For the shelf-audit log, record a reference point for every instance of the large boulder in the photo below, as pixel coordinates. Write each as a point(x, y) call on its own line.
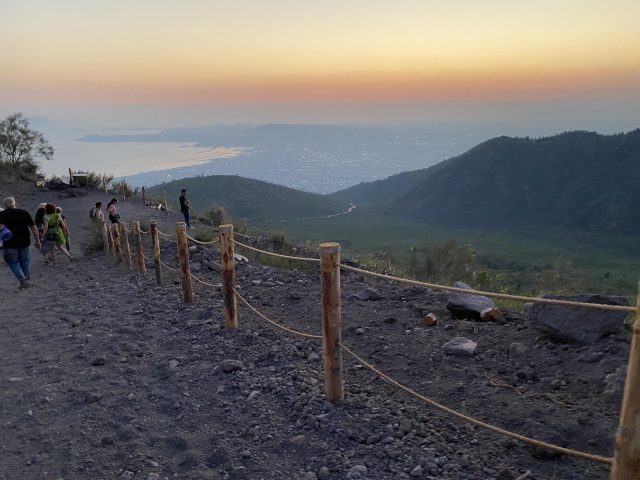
point(476, 307)
point(577, 325)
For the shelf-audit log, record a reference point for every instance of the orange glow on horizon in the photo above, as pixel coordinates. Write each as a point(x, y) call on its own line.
point(72, 52)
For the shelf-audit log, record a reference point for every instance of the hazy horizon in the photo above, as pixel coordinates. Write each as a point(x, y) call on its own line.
point(469, 69)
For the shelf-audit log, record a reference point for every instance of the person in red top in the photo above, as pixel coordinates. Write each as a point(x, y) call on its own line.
point(17, 249)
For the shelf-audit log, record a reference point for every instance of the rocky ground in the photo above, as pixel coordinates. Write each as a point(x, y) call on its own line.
point(106, 375)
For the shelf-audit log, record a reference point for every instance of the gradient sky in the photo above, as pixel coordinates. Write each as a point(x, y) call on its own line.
point(77, 54)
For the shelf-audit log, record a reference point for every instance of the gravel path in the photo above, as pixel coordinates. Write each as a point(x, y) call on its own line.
point(106, 375)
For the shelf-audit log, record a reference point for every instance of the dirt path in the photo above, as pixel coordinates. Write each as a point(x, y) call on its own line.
point(106, 375)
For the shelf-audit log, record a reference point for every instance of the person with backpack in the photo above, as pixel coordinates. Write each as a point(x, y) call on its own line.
point(112, 211)
point(54, 237)
point(96, 214)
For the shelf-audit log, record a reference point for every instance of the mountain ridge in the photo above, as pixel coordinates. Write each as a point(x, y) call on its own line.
point(250, 198)
point(577, 179)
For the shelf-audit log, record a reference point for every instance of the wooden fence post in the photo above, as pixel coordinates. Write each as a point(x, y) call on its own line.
point(185, 270)
point(331, 320)
point(228, 271)
point(155, 238)
point(626, 462)
point(112, 242)
point(142, 266)
point(117, 246)
point(105, 238)
point(126, 247)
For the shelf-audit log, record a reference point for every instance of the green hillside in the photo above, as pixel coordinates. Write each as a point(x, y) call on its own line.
point(575, 180)
point(244, 197)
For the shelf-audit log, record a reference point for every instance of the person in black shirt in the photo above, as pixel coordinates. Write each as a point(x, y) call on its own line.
point(185, 206)
point(17, 250)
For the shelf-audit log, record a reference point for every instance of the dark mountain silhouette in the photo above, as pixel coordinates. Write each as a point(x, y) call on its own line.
point(244, 197)
point(577, 180)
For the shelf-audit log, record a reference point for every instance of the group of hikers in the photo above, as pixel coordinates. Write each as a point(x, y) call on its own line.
point(50, 235)
point(50, 232)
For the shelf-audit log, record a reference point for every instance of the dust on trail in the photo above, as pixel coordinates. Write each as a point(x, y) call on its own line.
point(106, 375)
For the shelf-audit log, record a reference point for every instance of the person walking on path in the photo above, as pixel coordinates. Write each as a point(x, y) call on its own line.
point(54, 235)
point(17, 249)
point(113, 211)
point(40, 219)
point(65, 229)
point(185, 206)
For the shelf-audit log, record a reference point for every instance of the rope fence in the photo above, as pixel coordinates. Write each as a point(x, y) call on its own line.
point(433, 403)
point(219, 285)
point(624, 464)
point(275, 324)
point(167, 266)
point(213, 242)
point(475, 421)
point(288, 257)
point(166, 234)
point(504, 296)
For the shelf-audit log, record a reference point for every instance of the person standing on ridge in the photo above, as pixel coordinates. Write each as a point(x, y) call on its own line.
point(185, 206)
point(17, 249)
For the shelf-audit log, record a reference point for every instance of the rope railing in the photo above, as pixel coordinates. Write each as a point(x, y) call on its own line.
point(219, 285)
point(143, 231)
point(288, 257)
point(433, 403)
point(627, 454)
point(275, 324)
point(475, 421)
point(504, 296)
point(199, 242)
point(167, 266)
point(166, 234)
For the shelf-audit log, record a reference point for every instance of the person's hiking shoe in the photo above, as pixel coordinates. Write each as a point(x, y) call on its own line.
point(24, 284)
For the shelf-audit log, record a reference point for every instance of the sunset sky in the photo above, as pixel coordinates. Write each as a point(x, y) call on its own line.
point(76, 55)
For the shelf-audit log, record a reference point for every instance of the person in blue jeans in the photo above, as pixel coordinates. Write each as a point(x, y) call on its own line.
point(185, 206)
point(17, 250)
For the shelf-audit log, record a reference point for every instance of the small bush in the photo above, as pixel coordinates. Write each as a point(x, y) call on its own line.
point(278, 240)
point(121, 187)
point(215, 215)
point(379, 262)
point(93, 179)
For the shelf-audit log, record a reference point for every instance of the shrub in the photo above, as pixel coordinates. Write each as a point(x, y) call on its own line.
point(121, 187)
point(93, 179)
point(215, 215)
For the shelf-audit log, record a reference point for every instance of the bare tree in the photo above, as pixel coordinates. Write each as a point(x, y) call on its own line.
point(20, 145)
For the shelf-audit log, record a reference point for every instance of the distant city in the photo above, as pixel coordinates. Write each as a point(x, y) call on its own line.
point(319, 159)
